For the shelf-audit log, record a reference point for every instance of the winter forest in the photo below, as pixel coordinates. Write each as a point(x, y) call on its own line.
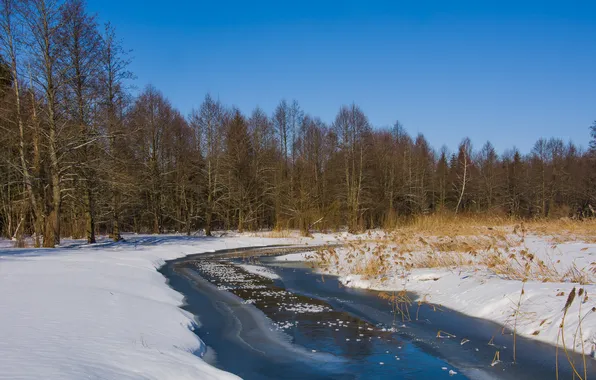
point(81, 155)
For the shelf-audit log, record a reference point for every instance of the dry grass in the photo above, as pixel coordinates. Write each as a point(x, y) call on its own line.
point(372, 268)
point(400, 304)
point(440, 259)
point(280, 234)
point(455, 225)
point(276, 234)
point(497, 226)
point(565, 229)
point(443, 241)
point(582, 297)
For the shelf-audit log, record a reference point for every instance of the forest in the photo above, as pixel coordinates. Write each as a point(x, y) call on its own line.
point(82, 154)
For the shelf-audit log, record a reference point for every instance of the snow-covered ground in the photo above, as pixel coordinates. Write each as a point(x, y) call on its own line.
point(102, 311)
point(302, 256)
point(485, 283)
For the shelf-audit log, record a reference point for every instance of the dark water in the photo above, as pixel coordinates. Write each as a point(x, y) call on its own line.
point(305, 325)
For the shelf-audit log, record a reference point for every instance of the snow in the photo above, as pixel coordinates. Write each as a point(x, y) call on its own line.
point(478, 291)
point(301, 256)
point(5, 243)
point(102, 311)
point(259, 271)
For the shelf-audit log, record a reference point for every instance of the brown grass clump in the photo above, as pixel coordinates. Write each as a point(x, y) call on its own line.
point(400, 304)
point(326, 257)
point(520, 266)
point(280, 234)
point(371, 268)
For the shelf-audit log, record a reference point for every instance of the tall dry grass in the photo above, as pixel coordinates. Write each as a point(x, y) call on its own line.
point(495, 244)
point(445, 224)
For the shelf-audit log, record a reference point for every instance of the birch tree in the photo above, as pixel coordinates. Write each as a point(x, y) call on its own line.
point(463, 173)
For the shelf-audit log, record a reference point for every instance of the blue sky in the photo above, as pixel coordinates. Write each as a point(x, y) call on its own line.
point(505, 71)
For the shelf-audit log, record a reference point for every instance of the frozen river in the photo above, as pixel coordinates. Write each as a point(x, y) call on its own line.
point(273, 320)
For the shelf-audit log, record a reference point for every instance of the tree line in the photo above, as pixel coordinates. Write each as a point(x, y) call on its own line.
point(79, 155)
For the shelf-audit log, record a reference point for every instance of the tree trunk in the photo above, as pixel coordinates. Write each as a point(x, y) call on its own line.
point(89, 218)
point(55, 177)
point(463, 186)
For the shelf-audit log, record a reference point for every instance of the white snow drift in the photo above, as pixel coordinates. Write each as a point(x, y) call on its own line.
point(101, 311)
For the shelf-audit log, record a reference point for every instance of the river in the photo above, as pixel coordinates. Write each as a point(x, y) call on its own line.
point(292, 323)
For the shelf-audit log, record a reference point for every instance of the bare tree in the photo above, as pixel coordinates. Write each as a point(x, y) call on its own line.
point(207, 123)
point(81, 44)
point(44, 21)
point(239, 171)
point(487, 162)
point(114, 73)
point(441, 179)
point(12, 41)
point(350, 126)
point(263, 142)
point(465, 151)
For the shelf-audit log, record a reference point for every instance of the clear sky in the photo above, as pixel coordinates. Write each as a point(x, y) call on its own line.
point(505, 71)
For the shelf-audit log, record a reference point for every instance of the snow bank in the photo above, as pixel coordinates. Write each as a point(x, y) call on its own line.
point(101, 311)
point(5, 243)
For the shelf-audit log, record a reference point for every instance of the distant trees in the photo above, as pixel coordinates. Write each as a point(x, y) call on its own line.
point(489, 181)
point(591, 179)
point(79, 155)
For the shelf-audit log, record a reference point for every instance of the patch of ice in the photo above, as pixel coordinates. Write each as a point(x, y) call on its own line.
point(259, 271)
point(302, 308)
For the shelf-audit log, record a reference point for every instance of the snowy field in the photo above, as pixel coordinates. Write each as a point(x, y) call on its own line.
point(102, 311)
point(485, 282)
